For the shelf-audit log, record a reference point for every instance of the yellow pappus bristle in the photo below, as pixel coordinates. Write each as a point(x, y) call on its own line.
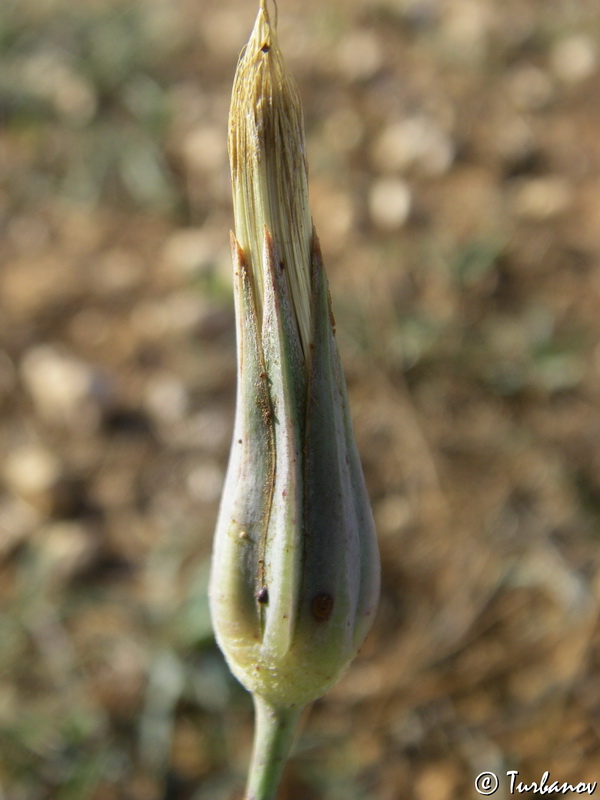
point(269, 170)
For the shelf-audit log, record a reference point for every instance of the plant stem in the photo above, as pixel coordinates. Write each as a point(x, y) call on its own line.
point(273, 735)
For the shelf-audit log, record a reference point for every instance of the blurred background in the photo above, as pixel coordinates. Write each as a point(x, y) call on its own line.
point(454, 150)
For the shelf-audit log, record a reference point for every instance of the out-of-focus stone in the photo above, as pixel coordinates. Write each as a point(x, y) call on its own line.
point(205, 482)
point(437, 780)
point(149, 320)
point(116, 679)
point(166, 398)
point(114, 489)
point(36, 476)
point(344, 128)
point(90, 327)
point(65, 390)
point(390, 203)
point(18, 520)
point(28, 285)
point(32, 473)
point(574, 58)
point(465, 26)
point(188, 105)
point(541, 199)
point(360, 55)
point(417, 142)
point(67, 549)
point(531, 88)
point(393, 515)
point(224, 29)
point(336, 213)
point(117, 271)
point(188, 250)
point(209, 430)
point(205, 148)
point(180, 312)
point(514, 141)
point(47, 75)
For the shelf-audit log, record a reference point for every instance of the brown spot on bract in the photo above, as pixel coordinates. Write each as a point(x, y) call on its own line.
point(265, 48)
point(322, 606)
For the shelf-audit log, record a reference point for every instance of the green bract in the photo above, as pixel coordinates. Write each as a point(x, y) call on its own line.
point(295, 576)
point(295, 572)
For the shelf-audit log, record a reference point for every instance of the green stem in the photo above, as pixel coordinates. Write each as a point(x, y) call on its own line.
point(273, 735)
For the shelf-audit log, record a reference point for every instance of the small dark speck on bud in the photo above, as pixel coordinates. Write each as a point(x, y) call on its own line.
point(263, 595)
point(265, 48)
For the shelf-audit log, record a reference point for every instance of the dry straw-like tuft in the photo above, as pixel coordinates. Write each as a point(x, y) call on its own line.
point(269, 170)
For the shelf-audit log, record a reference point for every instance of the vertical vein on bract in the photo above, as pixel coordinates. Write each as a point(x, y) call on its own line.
point(331, 535)
point(368, 582)
point(286, 374)
point(245, 506)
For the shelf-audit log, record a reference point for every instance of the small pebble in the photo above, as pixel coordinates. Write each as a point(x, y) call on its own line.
point(416, 142)
point(336, 212)
point(18, 521)
point(166, 398)
point(344, 129)
point(117, 271)
point(393, 514)
point(205, 148)
point(64, 389)
point(531, 88)
point(360, 55)
point(67, 548)
point(209, 429)
point(465, 26)
point(575, 58)
point(205, 482)
point(187, 250)
point(32, 472)
point(541, 199)
point(514, 141)
point(390, 203)
point(50, 76)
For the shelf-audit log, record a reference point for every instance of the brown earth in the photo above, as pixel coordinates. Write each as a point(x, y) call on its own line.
point(454, 150)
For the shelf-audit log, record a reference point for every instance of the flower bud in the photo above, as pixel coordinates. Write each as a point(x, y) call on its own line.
point(295, 573)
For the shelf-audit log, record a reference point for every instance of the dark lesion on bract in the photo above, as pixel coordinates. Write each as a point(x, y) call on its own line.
point(322, 606)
